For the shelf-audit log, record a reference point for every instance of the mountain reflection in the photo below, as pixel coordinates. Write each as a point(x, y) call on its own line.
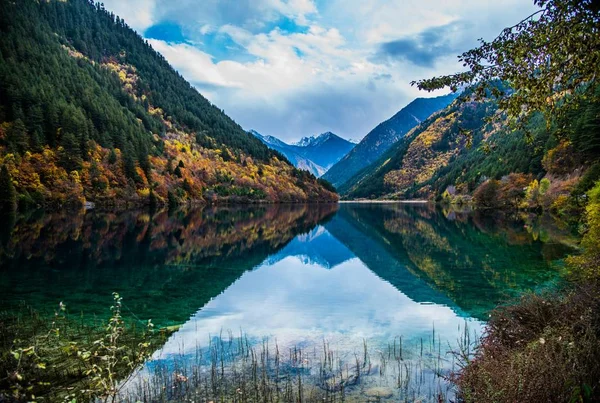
point(166, 265)
point(473, 259)
point(169, 266)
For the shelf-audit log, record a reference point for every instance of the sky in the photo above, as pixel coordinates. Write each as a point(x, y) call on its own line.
point(296, 68)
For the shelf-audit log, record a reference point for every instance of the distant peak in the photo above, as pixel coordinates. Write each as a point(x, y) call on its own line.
point(315, 140)
point(305, 141)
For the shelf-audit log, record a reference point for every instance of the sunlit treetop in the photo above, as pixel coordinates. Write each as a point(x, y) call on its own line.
point(550, 60)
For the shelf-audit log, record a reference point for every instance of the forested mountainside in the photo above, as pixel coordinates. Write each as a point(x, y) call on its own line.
point(459, 153)
point(315, 154)
point(382, 137)
point(89, 111)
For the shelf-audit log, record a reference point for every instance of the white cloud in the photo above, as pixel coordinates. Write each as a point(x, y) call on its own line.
point(193, 64)
point(351, 310)
point(329, 76)
point(139, 14)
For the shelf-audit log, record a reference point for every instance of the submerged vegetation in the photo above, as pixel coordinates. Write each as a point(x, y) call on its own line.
point(234, 369)
point(60, 358)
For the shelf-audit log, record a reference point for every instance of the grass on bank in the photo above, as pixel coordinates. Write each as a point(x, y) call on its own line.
point(545, 348)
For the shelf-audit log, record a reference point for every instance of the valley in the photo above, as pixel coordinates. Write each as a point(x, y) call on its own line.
point(185, 217)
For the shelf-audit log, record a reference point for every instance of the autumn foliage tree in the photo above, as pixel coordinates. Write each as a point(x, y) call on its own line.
point(8, 195)
point(549, 59)
point(486, 195)
point(90, 112)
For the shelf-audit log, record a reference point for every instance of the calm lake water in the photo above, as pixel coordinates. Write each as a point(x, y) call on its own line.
point(344, 280)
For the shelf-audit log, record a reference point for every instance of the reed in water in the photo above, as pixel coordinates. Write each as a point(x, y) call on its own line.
point(234, 368)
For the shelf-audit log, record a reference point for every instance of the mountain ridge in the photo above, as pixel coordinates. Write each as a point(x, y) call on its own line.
point(437, 156)
point(383, 136)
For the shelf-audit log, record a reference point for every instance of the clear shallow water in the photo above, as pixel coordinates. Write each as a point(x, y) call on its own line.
point(352, 277)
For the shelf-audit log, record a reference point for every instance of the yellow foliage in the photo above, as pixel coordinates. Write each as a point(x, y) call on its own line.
point(144, 193)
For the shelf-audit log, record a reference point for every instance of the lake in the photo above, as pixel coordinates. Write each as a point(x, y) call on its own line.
point(359, 300)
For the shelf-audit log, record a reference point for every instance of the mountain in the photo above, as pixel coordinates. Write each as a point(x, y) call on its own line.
point(382, 137)
point(315, 154)
point(90, 112)
point(437, 154)
point(292, 153)
point(469, 151)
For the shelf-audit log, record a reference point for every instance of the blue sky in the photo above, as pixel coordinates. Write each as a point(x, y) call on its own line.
point(295, 68)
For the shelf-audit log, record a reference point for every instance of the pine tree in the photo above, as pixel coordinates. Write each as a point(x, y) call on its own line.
point(129, 162)
point(70, 153)
point(17, 138)
point(112, 156)
point(8, 194)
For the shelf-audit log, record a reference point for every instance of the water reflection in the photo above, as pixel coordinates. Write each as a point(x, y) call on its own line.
point(368, 275)
point(165, 265)
point(169, 265)
point(301, 299)
point(294, 274)
point(475, 260)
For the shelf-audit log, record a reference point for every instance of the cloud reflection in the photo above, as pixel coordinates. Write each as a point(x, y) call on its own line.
point(299, 302)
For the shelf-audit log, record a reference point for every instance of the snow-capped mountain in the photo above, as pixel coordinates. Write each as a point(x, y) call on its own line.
point(315, 154)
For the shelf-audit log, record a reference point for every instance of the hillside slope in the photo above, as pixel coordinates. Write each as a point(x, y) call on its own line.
point(315, 154)
point(457, 153)
point(89, 111)
point(382, 137)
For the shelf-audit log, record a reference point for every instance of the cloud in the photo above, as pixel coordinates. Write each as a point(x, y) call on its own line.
point(139, 14)
point(292, 68)
point(167, 31)
point(425, 48)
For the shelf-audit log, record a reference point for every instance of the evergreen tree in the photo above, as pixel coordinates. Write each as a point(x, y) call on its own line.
point(69, 153)
point(129, 162)
point(112, 156)
point(62, 96)
point(17, 138)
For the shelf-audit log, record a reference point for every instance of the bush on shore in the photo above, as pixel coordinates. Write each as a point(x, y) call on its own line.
point(542, 349)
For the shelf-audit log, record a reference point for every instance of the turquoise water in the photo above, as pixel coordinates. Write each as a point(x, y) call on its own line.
point(292, 275)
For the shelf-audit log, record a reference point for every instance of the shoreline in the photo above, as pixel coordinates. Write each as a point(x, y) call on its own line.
point(385, 201)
